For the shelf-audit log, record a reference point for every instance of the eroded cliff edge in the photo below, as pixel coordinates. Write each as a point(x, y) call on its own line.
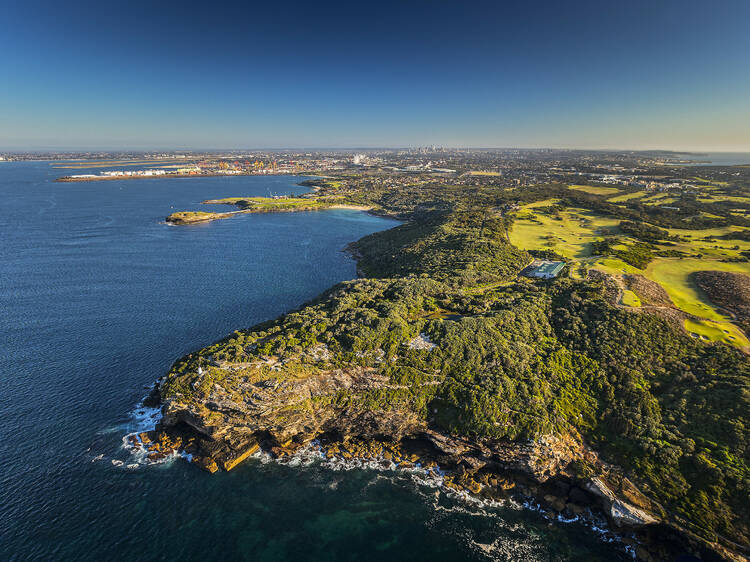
point(441, 353)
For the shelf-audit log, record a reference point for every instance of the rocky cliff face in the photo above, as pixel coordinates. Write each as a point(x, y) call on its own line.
point(232, 419)
point(221, 424)
point(482, 386)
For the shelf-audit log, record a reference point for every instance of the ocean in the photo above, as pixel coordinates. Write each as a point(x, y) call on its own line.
point(717, 158)
point(98, 296)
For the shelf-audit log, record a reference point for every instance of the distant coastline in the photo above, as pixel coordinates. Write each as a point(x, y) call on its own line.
point(95, 177)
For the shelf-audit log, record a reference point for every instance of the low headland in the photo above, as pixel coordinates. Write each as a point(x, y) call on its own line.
point(259, 205)
point(584, 392)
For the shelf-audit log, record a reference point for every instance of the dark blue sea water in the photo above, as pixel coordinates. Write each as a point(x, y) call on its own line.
point(97, 298)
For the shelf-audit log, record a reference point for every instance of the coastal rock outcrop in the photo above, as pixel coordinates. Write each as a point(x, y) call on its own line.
point(515, 395)
point(224, 425)
point(230, 423)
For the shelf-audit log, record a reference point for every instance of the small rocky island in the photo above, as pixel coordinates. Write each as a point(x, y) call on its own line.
point(442, 355)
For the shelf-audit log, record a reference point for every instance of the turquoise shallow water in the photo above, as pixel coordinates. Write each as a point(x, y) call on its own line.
point(97, 298)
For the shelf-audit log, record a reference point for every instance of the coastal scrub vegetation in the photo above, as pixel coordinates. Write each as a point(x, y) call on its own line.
point(273, 204)
point(471, 245)
point(511, 358)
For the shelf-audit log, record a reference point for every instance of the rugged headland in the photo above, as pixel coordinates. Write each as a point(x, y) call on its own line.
point(440, 354)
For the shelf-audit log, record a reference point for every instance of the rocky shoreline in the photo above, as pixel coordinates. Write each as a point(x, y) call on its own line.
point(560, 476)
point(188, 217)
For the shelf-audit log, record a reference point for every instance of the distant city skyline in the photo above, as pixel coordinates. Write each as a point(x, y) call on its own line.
point(588, 75)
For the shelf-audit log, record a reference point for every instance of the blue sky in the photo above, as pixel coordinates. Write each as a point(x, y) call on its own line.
point(636, 74)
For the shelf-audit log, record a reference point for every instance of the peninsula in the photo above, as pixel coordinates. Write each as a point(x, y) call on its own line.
point(278, 204)
point(607, 387)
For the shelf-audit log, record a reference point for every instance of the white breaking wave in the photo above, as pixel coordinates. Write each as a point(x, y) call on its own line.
point(143, 419)
point(433, 479)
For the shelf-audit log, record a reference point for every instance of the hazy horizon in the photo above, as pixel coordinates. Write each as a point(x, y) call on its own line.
point(41, 150)
point(645, 76)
